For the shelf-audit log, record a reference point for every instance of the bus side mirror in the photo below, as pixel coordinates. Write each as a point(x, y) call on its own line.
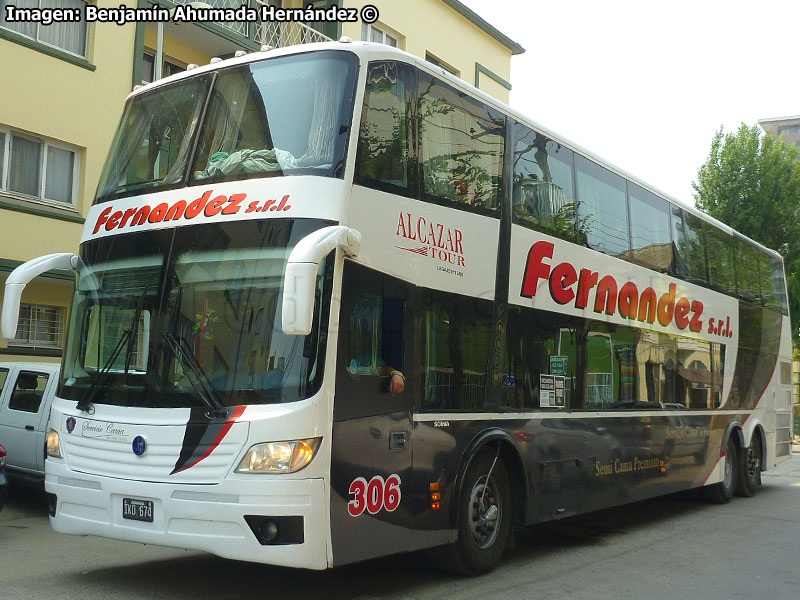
point(300, 281)
point(22, 276)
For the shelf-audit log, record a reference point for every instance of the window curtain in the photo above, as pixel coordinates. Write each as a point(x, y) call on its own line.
point(25, 171)
point(26, 29)
point(67, 36)
point(58, 175)
point(322, 136)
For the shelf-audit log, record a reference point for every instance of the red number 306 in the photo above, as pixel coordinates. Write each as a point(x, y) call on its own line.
point(374, 495)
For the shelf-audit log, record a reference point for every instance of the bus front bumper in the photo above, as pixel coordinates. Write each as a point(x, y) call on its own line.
point(222, 519)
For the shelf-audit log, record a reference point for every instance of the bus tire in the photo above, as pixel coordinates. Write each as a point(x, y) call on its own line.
point(484, 520)
point(722, 492)
point(749, 479)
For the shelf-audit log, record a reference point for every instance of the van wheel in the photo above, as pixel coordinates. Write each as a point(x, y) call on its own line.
point(749, 479)
point(484, 519)
point(722, 492)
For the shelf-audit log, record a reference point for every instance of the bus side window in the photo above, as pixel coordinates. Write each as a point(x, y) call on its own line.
point(375, 335)
point(454, 350)
point(461, 148)
point(543, 194)
point(720, 260)
point(386, 156)
point(747, 280)
point(650, 235)
point(690, 247)
point(602, 208)
point(533, 338)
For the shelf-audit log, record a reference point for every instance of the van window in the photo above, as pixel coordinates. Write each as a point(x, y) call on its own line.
point(28, 391)
point(3, 377)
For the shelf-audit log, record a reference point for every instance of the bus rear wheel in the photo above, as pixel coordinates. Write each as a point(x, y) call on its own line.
point(722, 492)
point(749, 479)
point(484, 519)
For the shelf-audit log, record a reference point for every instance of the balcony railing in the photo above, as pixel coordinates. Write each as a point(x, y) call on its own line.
point(279, 35)
point(239, 27)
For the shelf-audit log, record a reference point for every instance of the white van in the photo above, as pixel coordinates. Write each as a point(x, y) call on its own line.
point(26, 393)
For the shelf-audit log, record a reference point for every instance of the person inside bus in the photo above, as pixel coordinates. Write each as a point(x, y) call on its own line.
point(376, 339)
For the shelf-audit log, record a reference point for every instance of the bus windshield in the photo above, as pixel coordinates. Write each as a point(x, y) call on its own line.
point(190, 316)
point(284, 116)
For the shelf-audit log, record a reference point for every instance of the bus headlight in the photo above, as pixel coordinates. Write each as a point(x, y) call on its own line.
point(53, 444)
point(279, 457)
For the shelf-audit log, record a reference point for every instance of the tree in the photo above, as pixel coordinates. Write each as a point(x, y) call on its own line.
point(752, 183)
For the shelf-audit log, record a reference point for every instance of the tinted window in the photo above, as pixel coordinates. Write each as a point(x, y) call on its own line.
point(543, 197)
point(631, 368)
point(454, 350)
point(376, 328)
point(461, 147)
point(602, 208)
point(690, 246)
point(747, 274)
point(537, 346)
point(28, 391)
point(775, 296)
point(386, 150)
point(651, 245)
point(720, 260)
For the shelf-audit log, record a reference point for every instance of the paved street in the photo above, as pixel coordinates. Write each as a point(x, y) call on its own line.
point(671, 548)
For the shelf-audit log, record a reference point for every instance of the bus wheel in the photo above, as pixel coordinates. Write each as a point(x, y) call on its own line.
point(484, 519)
point(749, 479)
point(722, 492)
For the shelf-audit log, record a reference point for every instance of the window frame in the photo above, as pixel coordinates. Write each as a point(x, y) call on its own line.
point(46, 144)
point(15, 389)
point(31, 341)
point(368, 28)
point(35, 37)
point(165, 61)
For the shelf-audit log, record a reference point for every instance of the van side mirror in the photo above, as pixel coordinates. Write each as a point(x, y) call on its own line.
point(300, 280)
point(22, 276)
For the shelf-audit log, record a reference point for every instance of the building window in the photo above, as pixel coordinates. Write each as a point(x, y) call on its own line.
point(789, 130)
point(440, 63)
point(372, 33)
point(40, 326)
point(148, 67)
point(38, 167)
point(69, 37)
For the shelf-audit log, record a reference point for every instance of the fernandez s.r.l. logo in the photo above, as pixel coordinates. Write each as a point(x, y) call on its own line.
point(437, 241)
point(181, 211)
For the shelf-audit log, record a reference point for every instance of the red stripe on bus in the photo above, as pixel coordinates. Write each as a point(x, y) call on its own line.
point(238, 411)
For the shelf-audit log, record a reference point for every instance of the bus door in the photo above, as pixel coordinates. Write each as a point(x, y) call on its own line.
point(371, 450)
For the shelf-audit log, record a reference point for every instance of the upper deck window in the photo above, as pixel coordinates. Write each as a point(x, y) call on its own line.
point(288, 116)
point(284, 116)
point(386, 156)
point(602, 208)
point(650, 236)
point(152, 146)
point(543, 196)
point(461, 147)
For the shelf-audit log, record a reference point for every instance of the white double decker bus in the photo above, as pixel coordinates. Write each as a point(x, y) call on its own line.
point(332, 303)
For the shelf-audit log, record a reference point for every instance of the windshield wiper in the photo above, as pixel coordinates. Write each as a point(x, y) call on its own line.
point(198, 380)
point(124, 341)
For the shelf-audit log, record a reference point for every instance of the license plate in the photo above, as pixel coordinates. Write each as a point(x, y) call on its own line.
point(137, 510)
